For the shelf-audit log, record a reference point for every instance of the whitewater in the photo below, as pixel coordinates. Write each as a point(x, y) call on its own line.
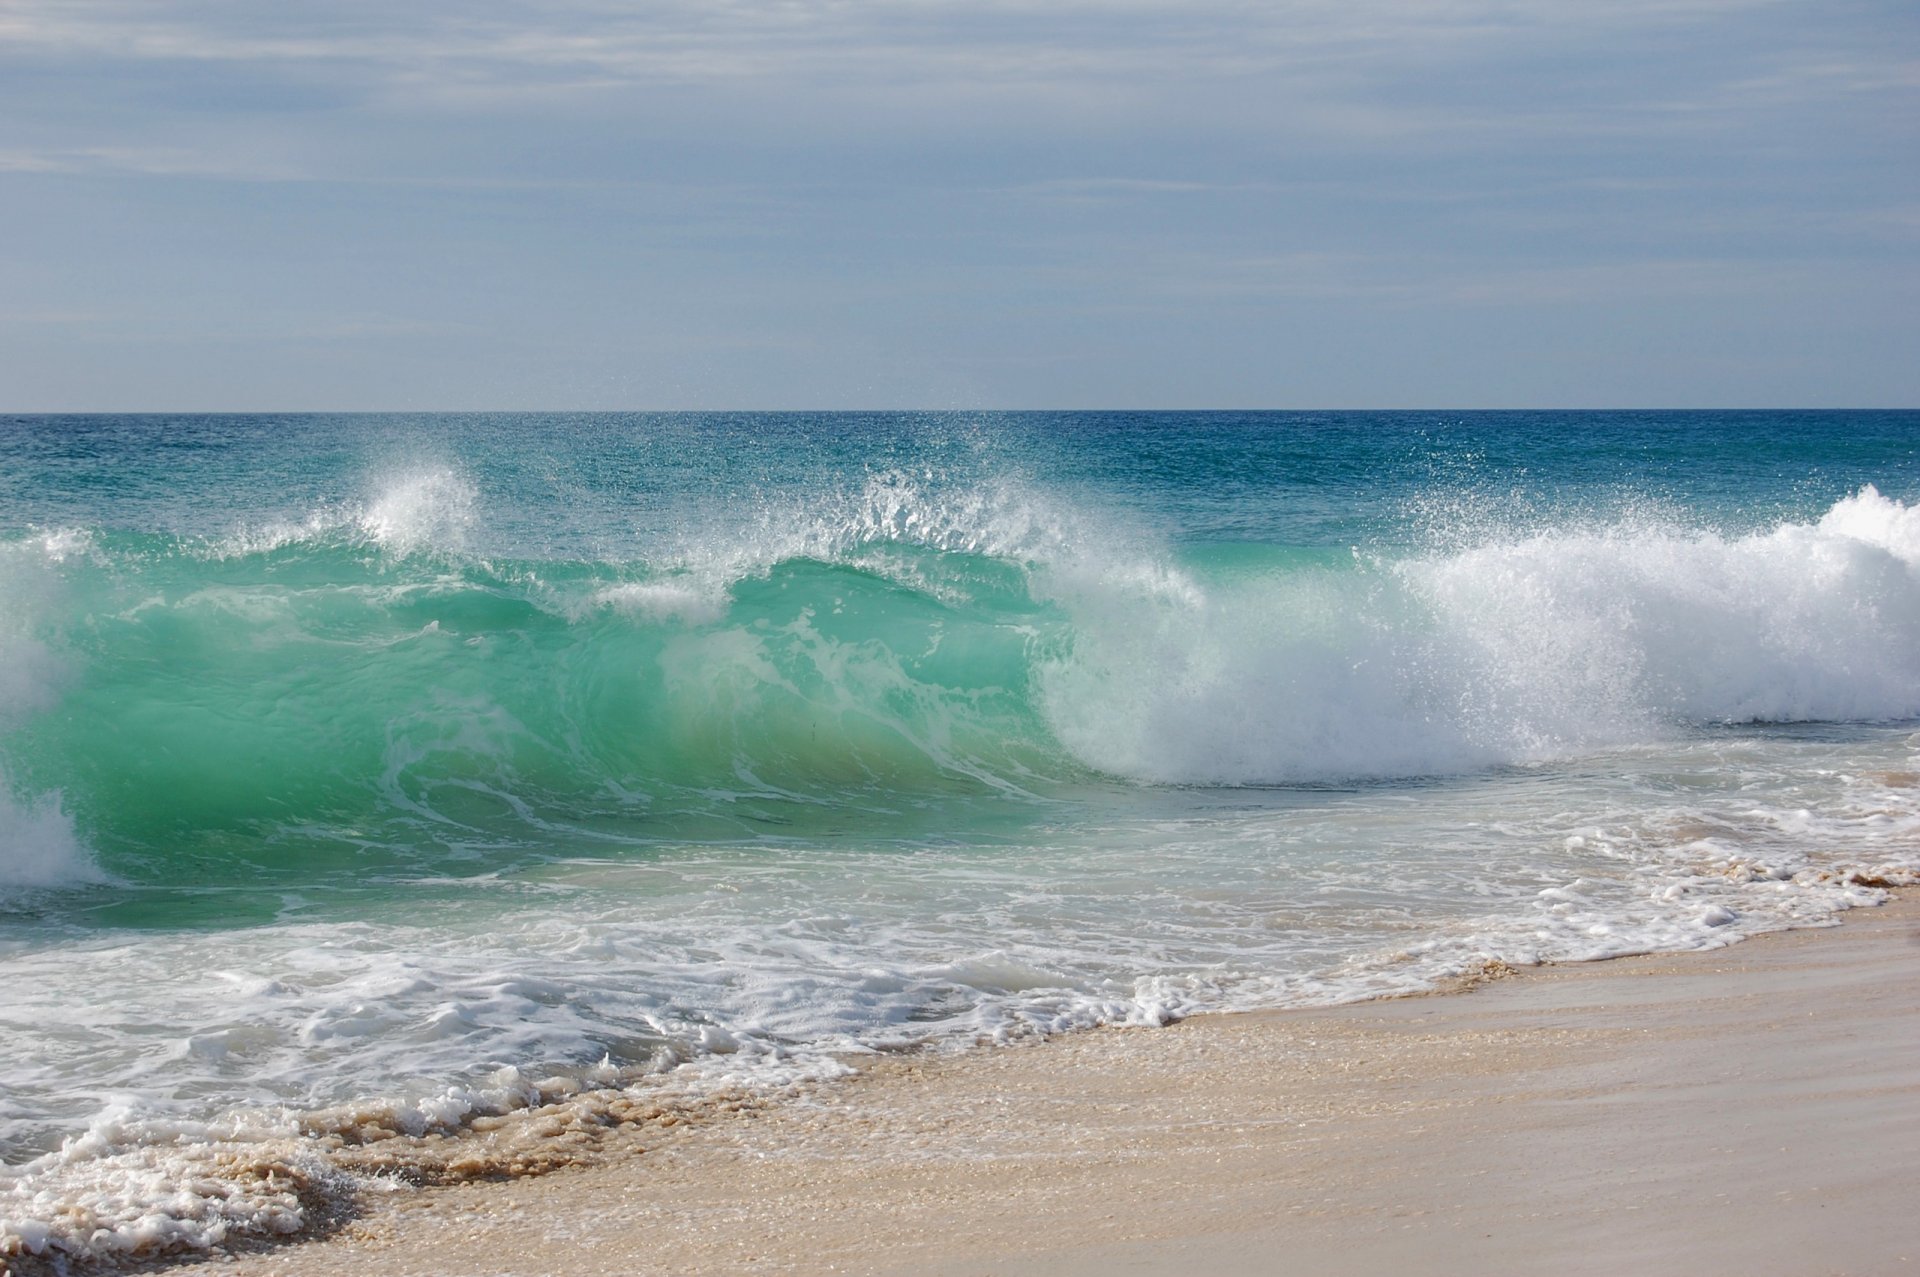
point(366, 778)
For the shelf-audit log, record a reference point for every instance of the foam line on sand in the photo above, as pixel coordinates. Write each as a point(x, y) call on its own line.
point(1753, 1111)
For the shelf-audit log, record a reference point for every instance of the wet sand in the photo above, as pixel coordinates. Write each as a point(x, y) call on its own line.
point(1751, 1111)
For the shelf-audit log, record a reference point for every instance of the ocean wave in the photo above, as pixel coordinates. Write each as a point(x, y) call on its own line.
point(901, 641)
point(1520, 649)
point(576, 769)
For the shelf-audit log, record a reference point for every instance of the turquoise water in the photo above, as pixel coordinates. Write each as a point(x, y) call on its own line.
point(396, 760)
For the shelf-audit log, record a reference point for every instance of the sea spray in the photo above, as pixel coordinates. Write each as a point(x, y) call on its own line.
point(1517, 649)
point(39, 846)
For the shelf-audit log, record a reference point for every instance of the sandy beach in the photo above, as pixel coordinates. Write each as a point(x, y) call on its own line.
point(1753, 1110)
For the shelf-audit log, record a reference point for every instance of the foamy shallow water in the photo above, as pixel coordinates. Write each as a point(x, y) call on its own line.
point(750, 970)
point(334, 834)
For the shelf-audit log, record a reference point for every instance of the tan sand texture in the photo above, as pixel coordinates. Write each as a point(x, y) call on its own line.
point(1750, 1111)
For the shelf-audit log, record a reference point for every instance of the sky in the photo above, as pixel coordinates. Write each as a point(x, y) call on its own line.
point(237, 205)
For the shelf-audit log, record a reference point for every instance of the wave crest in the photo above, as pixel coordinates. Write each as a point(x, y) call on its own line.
point(1516, 650)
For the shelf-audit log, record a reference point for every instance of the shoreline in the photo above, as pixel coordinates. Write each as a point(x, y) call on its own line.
point(1745, 1110)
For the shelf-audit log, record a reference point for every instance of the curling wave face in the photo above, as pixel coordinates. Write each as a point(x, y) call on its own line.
point(357, 683)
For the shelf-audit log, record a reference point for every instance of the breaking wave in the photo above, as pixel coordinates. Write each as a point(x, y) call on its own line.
point(892, 641)
point(368, 696)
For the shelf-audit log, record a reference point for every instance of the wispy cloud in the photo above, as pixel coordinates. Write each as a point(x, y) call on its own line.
point(1409, 280)
point(878, 40)
point(143, 161)
point(38, 318)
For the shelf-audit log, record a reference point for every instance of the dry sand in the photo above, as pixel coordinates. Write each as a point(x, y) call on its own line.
point(1746, 1112)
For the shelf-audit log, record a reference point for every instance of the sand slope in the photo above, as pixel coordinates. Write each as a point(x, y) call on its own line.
point(1747, 1112)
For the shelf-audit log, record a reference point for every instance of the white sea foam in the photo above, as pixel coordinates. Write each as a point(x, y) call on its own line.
point(687, 600)
point(1517, 650)
point(750, 972)
point(39, 846)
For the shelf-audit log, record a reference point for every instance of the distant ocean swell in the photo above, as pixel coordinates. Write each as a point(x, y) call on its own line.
point(365, 668)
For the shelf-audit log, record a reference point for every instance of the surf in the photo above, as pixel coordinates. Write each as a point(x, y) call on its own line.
point(347, 789)
point(365, 677)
